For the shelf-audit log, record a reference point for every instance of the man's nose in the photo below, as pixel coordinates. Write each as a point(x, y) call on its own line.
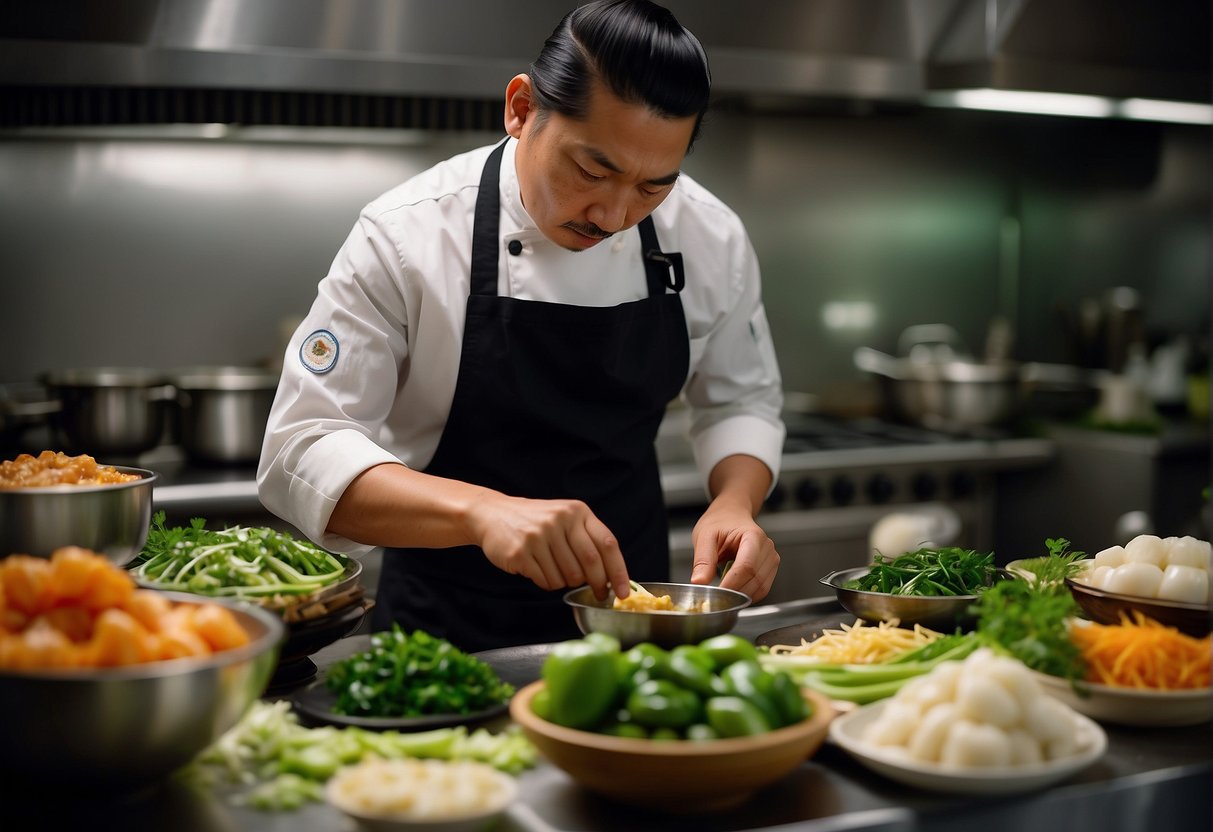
point(610, 212)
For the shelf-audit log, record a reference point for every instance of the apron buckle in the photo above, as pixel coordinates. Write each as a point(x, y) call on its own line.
point(672, 260)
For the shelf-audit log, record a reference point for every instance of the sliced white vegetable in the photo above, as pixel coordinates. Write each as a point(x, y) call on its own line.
point(1134, 578)
point(1184, 583)
point(926, 742)
point(1188, 551)
point(937, 686)
point(972, 745)
point(1145, 548)
point(1099, 577)
point(1112, 556)
point(1010, 674)
point(895, 724)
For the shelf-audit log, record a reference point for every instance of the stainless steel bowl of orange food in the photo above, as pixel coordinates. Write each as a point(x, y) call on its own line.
point(666, 614)
point(107, 686)
point(53, 500)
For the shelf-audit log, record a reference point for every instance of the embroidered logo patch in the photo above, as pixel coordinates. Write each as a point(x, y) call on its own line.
point(319, 351)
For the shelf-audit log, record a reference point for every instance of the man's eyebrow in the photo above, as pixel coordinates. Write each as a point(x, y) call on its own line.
point(602, 159)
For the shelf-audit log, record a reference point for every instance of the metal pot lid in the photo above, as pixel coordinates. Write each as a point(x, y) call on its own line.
point(225, 378)
point(106, 377)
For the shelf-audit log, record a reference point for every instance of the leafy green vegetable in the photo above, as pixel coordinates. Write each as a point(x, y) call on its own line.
point(284, 764)
point(1028, 619)
point(414, 675)
point(239, 561)
point(946, 571)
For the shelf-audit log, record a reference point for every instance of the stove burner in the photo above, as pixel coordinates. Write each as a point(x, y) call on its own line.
point(807, 432)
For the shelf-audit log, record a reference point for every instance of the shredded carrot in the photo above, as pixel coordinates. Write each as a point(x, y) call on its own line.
point(1142, 653)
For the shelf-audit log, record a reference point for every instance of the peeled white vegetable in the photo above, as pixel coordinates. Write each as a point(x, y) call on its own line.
point(1112, 556)
point(1146, 548)
point(987, 711)
point(1096, 576)
point(1188, 551)
point(1134, 578)
point(1184, 583)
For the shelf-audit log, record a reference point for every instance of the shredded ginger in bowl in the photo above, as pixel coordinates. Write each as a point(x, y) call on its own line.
point(410, 789)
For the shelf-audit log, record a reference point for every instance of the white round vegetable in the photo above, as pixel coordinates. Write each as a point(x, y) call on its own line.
point(1184, 583)
point(926, 742)
point(980, 698)
point(1146, 548)
point(896, 723)
point(1188, 551)
point(1048, 720)
point(1025, 749)
point(1134, 578)
point(974, 745)
point(1112, 556)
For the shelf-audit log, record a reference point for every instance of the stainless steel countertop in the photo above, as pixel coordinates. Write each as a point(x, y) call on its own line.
point(1159, 778)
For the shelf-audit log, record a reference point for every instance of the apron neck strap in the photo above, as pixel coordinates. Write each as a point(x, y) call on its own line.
point(486, 247)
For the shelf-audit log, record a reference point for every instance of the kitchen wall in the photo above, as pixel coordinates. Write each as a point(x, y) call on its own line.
point(163, 249)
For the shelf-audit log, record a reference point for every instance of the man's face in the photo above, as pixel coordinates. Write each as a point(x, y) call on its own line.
point(582, 181)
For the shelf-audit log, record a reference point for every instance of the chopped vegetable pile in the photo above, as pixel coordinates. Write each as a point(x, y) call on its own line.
point(414, 675)
point(946, 571)
point(1141, 653)
point(238, 561)
point(284, 765)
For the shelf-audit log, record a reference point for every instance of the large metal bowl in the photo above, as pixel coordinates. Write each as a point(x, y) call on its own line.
point(943, 613)
point(112, 520)
point(665, 628)
point(124, 728)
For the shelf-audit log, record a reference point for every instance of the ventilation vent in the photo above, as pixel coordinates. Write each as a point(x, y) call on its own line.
point(79, 106)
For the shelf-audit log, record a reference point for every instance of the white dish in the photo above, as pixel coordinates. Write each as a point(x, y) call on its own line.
point(848, 730)
point(1129, 706)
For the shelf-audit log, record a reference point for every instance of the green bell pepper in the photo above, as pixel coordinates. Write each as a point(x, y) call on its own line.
point(727, 648)
point(732, 716)
point(789, 701)
point(747, 679)
point(582, 682)
point(659, 703)
point(691, 668)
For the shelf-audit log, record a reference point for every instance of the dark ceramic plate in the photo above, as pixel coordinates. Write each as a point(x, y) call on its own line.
point(315, 704)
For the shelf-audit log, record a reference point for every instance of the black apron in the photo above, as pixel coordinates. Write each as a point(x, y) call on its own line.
point(552, 402)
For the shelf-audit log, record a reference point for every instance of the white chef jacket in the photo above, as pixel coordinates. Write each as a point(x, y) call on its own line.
point(393, 306)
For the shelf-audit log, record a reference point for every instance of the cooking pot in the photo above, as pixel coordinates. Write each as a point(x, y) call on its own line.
point(936, 385)
point(109, 410)
point(223, 411)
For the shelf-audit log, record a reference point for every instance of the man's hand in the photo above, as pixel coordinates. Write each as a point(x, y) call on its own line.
point(555, 543)
point(727, 530)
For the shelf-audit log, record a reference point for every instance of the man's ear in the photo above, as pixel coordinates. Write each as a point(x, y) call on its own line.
point(519, 104)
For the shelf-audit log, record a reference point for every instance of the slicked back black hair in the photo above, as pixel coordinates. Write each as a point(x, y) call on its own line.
point(636, 48)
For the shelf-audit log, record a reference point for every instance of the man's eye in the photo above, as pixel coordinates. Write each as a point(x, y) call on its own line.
point(589, 176)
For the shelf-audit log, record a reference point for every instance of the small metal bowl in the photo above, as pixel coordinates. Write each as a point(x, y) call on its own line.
point(943, 613)
point(665, 628)
point(112, 520)
point(1105, 607)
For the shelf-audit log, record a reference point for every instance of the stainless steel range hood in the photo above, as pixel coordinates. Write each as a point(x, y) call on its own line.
point(880, 50)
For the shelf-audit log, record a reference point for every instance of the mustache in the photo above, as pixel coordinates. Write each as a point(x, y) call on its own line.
point(588, 229)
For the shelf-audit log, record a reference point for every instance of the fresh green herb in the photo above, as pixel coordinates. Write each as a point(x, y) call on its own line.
point(1028, 619)
point(946, 571)
point(282, 764)
point(238, 561)
point(414, 674)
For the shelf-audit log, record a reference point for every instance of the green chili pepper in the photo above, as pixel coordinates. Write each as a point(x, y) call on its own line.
point(582, 681)
point(789, 701)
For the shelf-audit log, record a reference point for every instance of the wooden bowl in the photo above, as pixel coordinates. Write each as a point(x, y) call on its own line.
point(1107, 608)
point(675, 776)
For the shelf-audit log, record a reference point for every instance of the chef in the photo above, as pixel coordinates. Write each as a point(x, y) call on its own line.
point(479, 383)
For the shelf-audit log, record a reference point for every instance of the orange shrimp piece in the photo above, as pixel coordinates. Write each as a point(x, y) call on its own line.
point(119, 639)
point(76, 623)
point(151, 609)
point(219, 627)
point(110, 587)
point(73, 571)
point(180, 643)
point(45, 646)
point(26, 583)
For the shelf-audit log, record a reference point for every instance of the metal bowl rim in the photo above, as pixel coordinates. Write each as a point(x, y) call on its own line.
point(850, 574)
point(275, 632)
point(741, 598)
point(146, 478)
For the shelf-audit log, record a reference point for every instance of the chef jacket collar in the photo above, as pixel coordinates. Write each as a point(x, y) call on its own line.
point(515, 219)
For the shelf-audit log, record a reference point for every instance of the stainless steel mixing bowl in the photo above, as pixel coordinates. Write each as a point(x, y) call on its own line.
point(112, 520)
point(937, 612)
point(124, 728)
point(666, 628)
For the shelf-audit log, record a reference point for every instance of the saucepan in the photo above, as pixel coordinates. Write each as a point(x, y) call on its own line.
point(116, 411)
point(223, 411)
point(937, 385)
